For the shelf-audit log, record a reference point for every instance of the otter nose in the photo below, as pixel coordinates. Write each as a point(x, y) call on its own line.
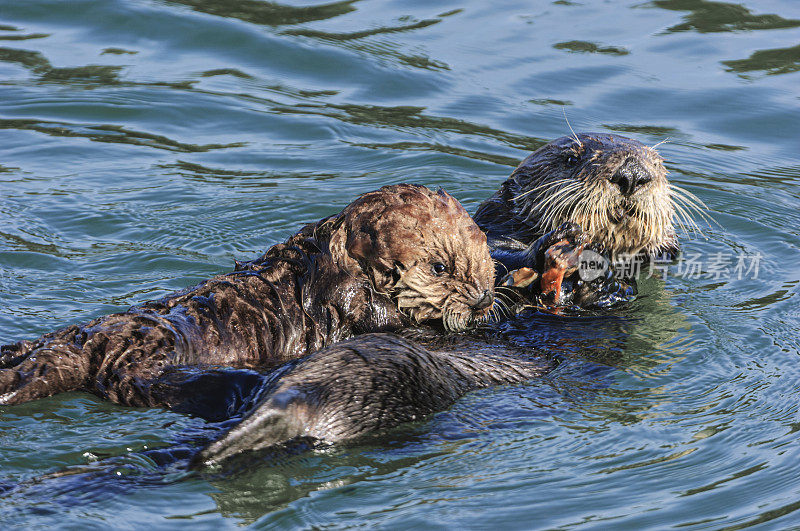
point(630, 176)
point(486, 300)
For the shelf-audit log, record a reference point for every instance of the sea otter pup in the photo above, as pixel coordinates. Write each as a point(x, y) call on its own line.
point(600, 192)
point(398, 255)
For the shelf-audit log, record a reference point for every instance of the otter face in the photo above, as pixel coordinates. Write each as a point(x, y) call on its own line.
point(615, 188)
point(422, 249)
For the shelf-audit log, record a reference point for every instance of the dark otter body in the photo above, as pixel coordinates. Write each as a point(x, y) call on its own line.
point(250, 318)
point(366, 384)
point(394, 256)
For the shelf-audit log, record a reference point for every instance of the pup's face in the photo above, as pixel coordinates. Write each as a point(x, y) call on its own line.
point(423, 250)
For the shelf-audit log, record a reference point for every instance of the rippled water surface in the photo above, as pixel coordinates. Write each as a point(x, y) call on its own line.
point(145, 144)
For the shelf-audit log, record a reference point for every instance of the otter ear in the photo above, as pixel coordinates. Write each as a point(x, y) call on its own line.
point(388, 279)
point(364, 249)
point(359, 247)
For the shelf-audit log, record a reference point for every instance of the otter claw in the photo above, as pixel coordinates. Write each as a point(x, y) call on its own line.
point(519, 278)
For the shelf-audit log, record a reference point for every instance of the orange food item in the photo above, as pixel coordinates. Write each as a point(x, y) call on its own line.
point(561, 260)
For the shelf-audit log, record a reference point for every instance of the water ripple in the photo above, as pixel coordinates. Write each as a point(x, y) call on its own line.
point(145, 145)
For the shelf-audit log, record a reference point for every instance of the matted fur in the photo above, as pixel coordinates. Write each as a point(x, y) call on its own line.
point(363, 270)
point(399, 240)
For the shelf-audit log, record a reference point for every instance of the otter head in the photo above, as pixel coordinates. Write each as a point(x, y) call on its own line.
point(422, 249)
point(615, 188)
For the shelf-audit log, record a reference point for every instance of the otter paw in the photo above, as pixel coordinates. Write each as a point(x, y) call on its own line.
point(566, 232)
point(519, 278)
point(561, 260)
point(39, 373)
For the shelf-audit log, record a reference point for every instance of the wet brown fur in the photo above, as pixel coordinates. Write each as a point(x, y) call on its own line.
point(366, 269)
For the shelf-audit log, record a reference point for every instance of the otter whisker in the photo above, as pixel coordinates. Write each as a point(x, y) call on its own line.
point(555, 217)
point(654, 146)
point(542, 202)
point(589, 199)
point(690, 206)
point(548, 185)
point(498, 263)
point(504, 298)
point(554, 197)
point(555, 213)
point(654, 227)
point(688, 219)
point(574, 136)
point(506, 291)
point(692, 202)
point(687, 196)
point(542, 187)
point(499, 311)
point(557, 196)
point(510, 297)
point(563, 204)
point(681, 224)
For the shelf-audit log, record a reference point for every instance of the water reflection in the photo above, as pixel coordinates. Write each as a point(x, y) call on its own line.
point(707, 17)
point(443, 148)
point(385, 48)
point(114, 134)
point(410, 117)
point(268, 13)
point(354, 35)
point(590, 47)
point(771, 62)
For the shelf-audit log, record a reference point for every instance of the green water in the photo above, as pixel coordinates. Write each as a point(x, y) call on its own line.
point(145, 144)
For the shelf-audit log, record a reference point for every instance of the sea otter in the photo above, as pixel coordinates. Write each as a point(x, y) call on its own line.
point(399, 255)
point(598, 192)
point(591, 191)
point(342, 277)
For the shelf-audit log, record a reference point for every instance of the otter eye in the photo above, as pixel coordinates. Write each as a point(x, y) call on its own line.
point(571, 159)
point(439, 268)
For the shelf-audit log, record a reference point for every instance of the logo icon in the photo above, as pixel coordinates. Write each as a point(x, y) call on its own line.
point(591, 265)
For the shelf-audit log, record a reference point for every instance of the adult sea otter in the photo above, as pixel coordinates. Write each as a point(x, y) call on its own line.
point(591, 191)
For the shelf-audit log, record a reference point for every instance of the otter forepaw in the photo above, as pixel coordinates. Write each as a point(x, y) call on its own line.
point(569, 233)
point(567, 230)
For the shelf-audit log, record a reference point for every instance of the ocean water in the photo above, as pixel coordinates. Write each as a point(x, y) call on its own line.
point(145, 144)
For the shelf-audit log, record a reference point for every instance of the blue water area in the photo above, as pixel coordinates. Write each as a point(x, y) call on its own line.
point(145, 144)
